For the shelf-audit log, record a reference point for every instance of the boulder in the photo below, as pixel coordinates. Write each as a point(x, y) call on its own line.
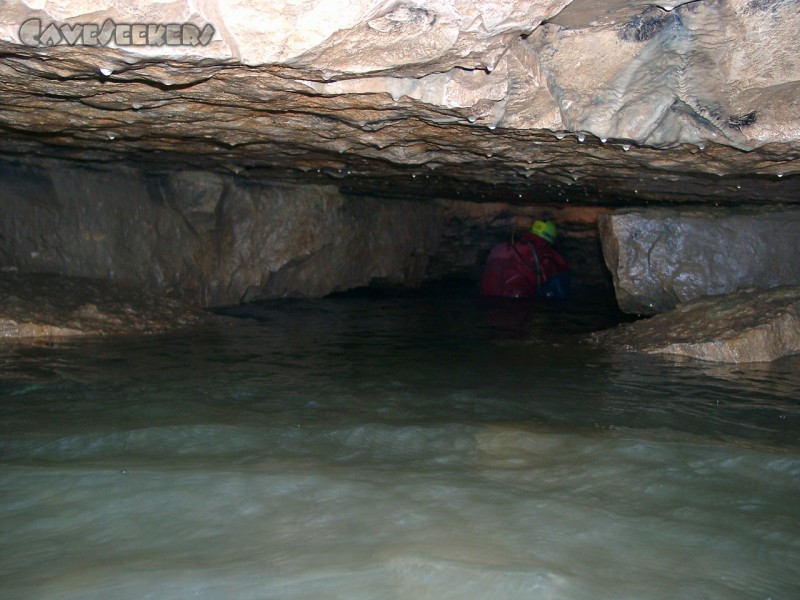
point(746, 326)
point(42, 305)
point(660, 258)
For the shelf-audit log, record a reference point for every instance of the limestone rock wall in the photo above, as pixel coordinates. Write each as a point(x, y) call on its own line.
point(669, 71)
point(206, 238)
point(552, 98)
point(746, 326)
point(219, 239)
point(660, 258)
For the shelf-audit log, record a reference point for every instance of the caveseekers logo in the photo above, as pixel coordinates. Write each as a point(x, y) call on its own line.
point(35, 33)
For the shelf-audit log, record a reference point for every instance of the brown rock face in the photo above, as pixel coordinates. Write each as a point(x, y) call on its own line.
point(504, 101)
point(660, 258)
point(206, 238)
point(747, 326)
point(215, 239)
point(46, 306)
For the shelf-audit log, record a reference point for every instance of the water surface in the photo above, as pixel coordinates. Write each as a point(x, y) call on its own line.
point(429, 445)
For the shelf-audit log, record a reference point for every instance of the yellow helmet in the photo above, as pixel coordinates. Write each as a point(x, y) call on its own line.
point(545, 230)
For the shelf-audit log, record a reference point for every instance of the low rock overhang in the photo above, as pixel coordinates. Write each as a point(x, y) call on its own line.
point(546, 101)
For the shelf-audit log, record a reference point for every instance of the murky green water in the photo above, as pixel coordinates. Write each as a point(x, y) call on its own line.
point(421, 446)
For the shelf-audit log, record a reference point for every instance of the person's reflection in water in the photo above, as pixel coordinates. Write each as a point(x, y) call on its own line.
point(509, 318)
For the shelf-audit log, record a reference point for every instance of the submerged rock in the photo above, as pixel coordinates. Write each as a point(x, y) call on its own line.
point(660, 258)
point(745, 326)
point(49, 305)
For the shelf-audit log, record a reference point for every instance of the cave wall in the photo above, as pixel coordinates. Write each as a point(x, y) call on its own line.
point(216, 239)
point(307, 147)
point(206, 238)
point(661, 258)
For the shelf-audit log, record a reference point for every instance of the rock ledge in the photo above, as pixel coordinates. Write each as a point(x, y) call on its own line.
point(48, 305)
point(747, 326)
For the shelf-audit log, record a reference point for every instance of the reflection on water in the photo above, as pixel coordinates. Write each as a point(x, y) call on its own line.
point(418, 446)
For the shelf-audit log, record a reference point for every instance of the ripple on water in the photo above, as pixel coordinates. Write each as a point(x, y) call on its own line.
point(404, 448)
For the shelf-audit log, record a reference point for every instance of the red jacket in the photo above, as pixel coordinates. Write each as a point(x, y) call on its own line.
point(521, 269)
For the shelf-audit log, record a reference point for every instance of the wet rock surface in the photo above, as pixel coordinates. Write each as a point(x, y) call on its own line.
point(214, 240)
point(660, 258)
point(745, 326)
point(551, 99)
point(40, 305)
point(209, 239)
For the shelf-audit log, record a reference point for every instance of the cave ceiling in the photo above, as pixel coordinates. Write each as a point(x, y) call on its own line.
point(612, 102)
